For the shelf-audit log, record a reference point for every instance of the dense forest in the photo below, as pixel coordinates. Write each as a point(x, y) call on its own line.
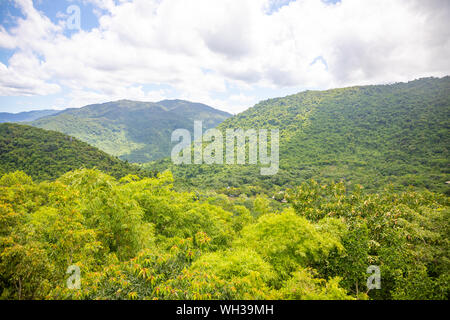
point(362, 183)
point(45, 155)
point(139, 239)
point(224, 158)
point(370, 135)
point(134, 131)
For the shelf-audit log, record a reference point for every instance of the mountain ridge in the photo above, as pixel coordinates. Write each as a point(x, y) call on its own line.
point(26, 115)
point(132, 130)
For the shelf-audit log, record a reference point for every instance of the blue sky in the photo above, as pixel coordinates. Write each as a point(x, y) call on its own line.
point(230, 54)
point(89, 20)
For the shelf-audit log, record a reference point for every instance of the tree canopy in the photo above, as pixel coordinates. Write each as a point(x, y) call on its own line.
point(136, 238)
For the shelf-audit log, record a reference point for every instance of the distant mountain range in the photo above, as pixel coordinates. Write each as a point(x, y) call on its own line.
point(25, 116)
point(133, 131)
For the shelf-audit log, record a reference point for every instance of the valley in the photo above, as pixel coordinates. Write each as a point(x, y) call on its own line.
point(362, 182)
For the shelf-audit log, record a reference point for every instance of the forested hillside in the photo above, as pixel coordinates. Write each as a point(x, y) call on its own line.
point(45, 155)
point(277, 237)
point(371, 135)
point(139, 239)
point(133, 131)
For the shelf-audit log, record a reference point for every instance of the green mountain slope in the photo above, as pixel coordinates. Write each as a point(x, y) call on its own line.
point(133, 131)
point(25, 116)
point(45, 155)
point(371, 135)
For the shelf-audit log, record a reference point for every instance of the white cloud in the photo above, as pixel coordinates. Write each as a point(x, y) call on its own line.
point(85, 97)
point(24, 76)
point(201, 48)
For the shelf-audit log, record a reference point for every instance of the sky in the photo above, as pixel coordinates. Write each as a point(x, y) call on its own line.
point(229, 54)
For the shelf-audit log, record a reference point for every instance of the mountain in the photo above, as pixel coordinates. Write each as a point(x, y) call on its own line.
point(370, 135)
point(133, 131)
point(45, 155)
point(25, 116)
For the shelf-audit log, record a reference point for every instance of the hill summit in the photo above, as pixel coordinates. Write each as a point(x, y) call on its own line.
point(132, 130)
point(45, 155)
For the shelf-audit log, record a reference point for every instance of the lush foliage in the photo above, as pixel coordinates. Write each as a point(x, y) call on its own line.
point(130, 130)
point(46, 155)
point(371, 135)
point(140, 239)
point(234, 234)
